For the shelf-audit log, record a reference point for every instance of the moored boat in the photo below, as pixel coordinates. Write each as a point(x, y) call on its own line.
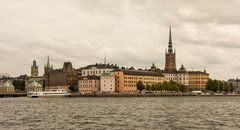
point(51, 93)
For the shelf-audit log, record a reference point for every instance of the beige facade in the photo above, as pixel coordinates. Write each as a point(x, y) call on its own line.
point(89, 84)
point(126, 80)
point(107, 82)
point(170, 76)
point(183, 78)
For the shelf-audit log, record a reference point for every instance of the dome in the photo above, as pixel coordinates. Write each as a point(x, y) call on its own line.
point(35, 84)
point(182, 69)
point(7, 84)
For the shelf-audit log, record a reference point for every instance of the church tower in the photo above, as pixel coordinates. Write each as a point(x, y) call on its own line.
point(34, 69)
point(47, 67)
point(170, 56)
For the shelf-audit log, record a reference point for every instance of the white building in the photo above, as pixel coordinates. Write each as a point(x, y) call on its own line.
point(107, 82)
point(97, 69)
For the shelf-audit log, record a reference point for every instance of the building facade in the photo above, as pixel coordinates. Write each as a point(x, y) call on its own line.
point(126, 80)
point(89, 84)
point(198, 80)
point(61, 78)
point(107, 82)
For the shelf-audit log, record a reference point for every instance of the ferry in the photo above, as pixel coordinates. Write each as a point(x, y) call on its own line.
point(51, 93)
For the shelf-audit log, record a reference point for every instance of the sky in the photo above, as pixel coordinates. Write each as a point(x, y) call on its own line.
point(128, 32)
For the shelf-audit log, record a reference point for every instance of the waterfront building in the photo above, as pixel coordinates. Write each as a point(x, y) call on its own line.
point(47, 67)
point(126, 80)
point(61, 78)
point(97, 69)
point(89, 84)
point(198, 80)
point(235, 83)
point(34, 87)
point(107, 82)
point(7, 87)
point(34, 69)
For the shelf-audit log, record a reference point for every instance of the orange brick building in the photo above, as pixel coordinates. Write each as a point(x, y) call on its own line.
point(126, 80)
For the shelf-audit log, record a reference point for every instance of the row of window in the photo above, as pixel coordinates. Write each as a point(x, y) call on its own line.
point(94, 71)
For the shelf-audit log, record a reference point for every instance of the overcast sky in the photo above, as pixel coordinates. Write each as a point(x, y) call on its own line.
point(128, 32)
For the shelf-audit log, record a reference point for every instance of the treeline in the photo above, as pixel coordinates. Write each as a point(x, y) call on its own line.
point(165, 86)
point(219, 86)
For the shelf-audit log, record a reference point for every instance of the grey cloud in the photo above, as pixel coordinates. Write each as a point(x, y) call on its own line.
point(128, 32)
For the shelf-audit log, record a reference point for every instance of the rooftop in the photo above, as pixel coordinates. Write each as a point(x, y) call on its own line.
point(140, 72)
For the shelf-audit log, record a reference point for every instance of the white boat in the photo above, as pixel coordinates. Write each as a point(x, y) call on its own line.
point(51, 93)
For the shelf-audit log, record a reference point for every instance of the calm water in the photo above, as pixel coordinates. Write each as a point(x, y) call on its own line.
point(121, 113)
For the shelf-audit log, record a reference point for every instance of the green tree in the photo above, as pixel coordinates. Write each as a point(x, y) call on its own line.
point(19, 85)
point(148, 87)
point(140, 86)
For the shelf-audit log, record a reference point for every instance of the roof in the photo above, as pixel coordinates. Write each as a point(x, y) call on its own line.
point(100, 66)
point(197, 72)
point(37, 79)
point(34, 84)
point(140, 72)
point(90, 77)
point(107, 74)
point(169, 72)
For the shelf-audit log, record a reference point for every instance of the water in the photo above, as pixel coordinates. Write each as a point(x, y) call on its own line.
point(120, 113)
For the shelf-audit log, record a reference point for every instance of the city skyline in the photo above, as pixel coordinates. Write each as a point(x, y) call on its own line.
point(128, 33)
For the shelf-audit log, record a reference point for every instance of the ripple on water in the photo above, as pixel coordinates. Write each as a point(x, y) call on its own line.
point(121, 113)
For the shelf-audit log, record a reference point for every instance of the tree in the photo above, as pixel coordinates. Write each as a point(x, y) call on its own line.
point(140, 86)
point(148, 87)
point(19, 85)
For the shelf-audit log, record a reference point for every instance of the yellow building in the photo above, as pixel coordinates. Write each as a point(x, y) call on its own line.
point(89, 84)
point(198, 80)
point(7, 87)
point(126, 80)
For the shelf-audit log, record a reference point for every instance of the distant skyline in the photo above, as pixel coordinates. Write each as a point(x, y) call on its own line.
point(128, 32)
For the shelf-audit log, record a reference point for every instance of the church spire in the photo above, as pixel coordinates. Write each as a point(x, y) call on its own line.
point(170, 47)
point(48, 63)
